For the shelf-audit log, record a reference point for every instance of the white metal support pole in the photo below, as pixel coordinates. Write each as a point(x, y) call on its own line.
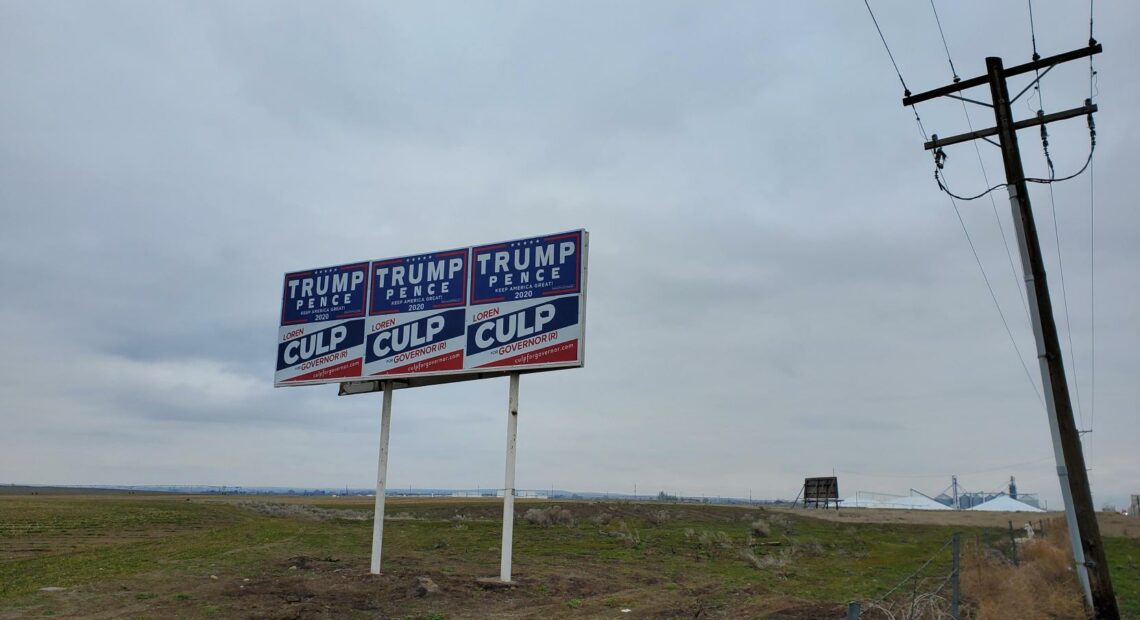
point(381, 478)
point(509, 485)
point(1051, 405)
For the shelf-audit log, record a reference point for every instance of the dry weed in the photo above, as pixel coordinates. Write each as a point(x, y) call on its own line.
point(1043, 586)
point(546, 517)
point(780, 559)
point(657, 517)
point(761, 529)
point(305, 511)
point(602, 518)
point(631, 538)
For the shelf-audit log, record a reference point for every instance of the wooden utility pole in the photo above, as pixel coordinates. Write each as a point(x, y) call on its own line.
point(1080, 512)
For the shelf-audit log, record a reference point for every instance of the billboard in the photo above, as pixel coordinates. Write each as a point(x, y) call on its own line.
point(450, 315)
point(321, 336)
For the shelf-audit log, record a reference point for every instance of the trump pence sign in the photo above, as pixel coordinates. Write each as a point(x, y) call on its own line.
point(454, 314)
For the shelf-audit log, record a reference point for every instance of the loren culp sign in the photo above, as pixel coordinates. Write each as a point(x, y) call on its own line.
point(512, 306)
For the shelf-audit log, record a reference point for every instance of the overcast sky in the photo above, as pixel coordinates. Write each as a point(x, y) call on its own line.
point(777, 287)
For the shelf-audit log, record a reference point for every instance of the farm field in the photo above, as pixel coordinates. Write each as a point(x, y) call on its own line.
point(109, 555)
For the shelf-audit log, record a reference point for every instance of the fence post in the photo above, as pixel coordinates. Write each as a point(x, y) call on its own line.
point(1013, 545)
point(914, 594)
point(853, 610)
point(954, 581)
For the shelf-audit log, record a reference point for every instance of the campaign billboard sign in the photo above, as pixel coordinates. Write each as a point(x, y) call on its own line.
point(415, 316)
point(526, 302)
point(321, 335)
point(450, 315)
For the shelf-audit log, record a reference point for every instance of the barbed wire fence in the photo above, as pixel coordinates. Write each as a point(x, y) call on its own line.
point(932, 591)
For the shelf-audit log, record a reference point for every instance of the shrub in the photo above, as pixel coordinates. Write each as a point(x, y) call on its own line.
point(546, 517)
point(776, 560)
point(305, 511)
point(761, 529)
point(1042, 586)
point(657, 517)
point(631, 538)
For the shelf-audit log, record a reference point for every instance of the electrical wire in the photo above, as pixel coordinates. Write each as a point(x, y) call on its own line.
point(1018, 285)
point(939, 157)
point(945, 46)
point(1065, 301)
point(943, 475)
point(993, 296)
point(1057, 228)
point(906, 91)
point(1033, 32)
point(1005, 242)
point(985, 174)
point(942, 186)
point(1092, 304)
point(1088, 160)
point(1092, 253)
point(1037, 72)
point(1092, 296)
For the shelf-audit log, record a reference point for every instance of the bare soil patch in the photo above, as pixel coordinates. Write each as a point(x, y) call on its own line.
point(1111, 524)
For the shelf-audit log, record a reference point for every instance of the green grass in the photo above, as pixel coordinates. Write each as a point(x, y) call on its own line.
point(121, 538)
point(1124, 569)
point(160, 548)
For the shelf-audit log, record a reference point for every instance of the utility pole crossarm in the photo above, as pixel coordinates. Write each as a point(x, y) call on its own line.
point(1088, 108)
point(982, 80)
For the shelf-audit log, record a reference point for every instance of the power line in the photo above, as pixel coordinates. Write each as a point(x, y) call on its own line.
point(966, 473)
point(990, 288)
point(946, 47)
point(906, 91)
point(1092, 254)
point(1056, 227)
point(997, 219)
point(1033, 32)
point(939, 156)
point(1097, 587)
point(887, 47)
point(1092, 303)
point(1065, 300)
point(982, 165)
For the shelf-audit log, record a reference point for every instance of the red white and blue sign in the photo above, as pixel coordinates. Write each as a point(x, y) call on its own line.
point(415, 315)
point(423, 282)
point(415, 343)
point(456, 314)
point(321, 335)
point(328, 294)
point(527, 302)
point(527, 268)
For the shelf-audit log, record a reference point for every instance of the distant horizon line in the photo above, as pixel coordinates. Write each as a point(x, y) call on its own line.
point(402, 490)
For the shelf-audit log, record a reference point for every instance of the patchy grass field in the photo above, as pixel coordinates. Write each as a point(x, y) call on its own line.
point(146, 556)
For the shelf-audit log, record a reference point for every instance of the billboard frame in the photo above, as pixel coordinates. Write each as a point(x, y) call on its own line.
point(472, 323)
point(372, 383)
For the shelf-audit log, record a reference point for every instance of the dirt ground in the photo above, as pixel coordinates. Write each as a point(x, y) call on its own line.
point(1111, 524)
point(201, 558)
point(321, 590)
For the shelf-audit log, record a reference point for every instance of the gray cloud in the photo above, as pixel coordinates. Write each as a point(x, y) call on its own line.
point(777, 288)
